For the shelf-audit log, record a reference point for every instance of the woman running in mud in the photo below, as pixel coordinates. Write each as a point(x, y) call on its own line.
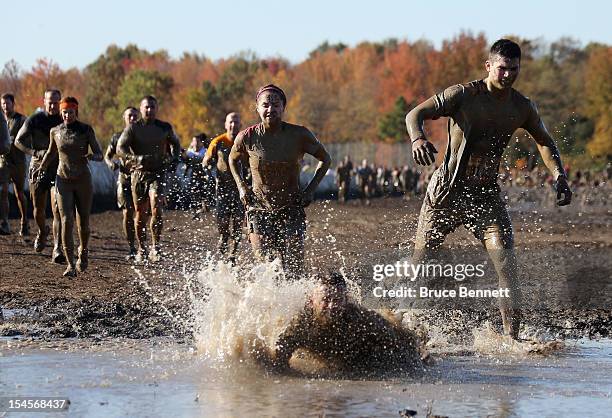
point(71, 141)
point(275, 205)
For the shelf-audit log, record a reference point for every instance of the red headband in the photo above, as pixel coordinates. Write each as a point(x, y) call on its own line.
point(69, 105)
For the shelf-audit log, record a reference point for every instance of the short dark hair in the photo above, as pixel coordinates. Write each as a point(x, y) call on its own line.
point(53, 91)
point(201, 137)
point(129, 108)
point(505, 48)
point(334, 280)
point(8, 96)
point(149, 98)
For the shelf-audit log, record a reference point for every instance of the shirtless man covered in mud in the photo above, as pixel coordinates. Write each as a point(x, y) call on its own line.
point(230, 212)
point(12, 168)
point(124, 182)
point(275, 206)
point(483, 116)
point(33, 139)
point(348, 338)
point(144, 146)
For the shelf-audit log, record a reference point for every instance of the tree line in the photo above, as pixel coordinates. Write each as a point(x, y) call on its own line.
point(342, 93)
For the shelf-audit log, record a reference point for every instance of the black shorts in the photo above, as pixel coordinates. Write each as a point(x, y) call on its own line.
point(289, 222)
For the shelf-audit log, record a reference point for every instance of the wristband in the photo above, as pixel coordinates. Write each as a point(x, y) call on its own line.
point(419, 137)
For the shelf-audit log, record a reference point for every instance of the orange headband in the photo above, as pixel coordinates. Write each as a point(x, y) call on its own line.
point(69, 105)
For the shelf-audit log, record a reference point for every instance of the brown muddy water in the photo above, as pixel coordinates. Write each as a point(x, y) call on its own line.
point(148, 378)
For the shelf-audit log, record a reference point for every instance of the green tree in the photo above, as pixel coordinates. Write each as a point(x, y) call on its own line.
point(134, 87)
point(391, 126)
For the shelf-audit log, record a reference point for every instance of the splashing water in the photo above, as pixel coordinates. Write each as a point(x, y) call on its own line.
point(488, 341)
point(234, 314)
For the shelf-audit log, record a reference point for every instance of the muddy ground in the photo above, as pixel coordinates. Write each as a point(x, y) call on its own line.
point(566, 251)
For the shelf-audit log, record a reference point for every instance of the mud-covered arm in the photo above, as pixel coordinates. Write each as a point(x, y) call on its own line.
point(175, 145)
point(5, 136)
point(546, 144)
point(111, 150)
point(239, 155)
point(442, 104)
point(51, 154)
point(23, 140)
point(124, 143)
point(94, 145)
point(550, 154)
point(211, 153)
point(313, 147)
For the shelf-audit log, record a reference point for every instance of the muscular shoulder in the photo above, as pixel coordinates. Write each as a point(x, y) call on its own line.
point(523, 102)
point(163, 125)
point(250, 131)
point(56, 129)
point(18, 117)
point(35, 119)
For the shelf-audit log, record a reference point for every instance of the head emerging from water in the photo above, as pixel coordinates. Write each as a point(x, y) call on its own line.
point(271, 102)
point(330, 296)
point(503, 64)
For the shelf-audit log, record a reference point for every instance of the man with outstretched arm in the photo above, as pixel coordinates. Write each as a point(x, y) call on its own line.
point(483, 116)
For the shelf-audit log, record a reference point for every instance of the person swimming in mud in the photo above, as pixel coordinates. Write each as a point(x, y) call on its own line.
point(229, 211)
point(483, 116)
point(71, 142)
point(275, 205)
point(348, 338)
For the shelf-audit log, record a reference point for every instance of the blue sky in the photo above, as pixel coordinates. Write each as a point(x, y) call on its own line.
point(75, 33)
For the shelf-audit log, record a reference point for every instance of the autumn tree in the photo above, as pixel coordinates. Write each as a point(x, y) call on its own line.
point(598, 90)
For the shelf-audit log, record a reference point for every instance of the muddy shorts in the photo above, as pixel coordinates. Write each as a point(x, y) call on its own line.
point(144, 182)
point(10, 172)
point(483, 213)
point(124, 192)
point(279, 225)
point(44, 182)
point(228, 201)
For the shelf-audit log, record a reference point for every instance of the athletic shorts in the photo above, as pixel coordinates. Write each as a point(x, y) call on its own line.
point(144, 182)
point(44, 182)
point(124, 192)
point(480, 211)
point(228, 202)
point(278, 225)
point(10, 172)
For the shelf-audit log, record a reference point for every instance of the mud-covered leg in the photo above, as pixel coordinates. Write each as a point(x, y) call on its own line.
point(65, 205)
point(57, 256)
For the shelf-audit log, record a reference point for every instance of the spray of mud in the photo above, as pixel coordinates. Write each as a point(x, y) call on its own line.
point(233, 314)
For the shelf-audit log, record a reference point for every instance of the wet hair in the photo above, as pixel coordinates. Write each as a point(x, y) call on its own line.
point(275, 89)
point(53, 91)
point(129, 108)
point(505, 48)
point(149, 98)
point(8, 96)
point(334, 280)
